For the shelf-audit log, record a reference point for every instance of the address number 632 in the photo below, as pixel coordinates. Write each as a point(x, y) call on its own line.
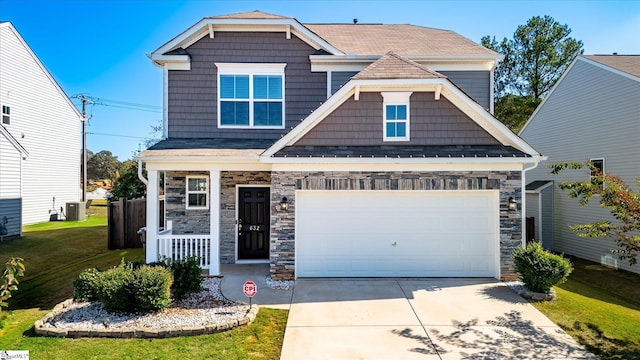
point(254, 227)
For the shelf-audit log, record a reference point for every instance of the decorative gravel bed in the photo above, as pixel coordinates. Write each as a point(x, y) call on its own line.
point(205, 312)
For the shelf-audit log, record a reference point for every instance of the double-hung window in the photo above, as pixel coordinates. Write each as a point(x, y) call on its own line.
point(6, 115)
point(197, 192)
point(250, 95)
point(597, 170)
point(396, 116)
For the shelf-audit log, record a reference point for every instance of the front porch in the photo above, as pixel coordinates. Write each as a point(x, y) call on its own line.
point(204, 214)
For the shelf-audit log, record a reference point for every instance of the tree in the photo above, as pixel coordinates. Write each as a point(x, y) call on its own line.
point(534, 59)
point(615, 195)
point(102, 165)
point(128, 185)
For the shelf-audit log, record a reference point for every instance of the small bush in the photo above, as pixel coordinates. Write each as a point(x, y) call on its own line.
point(151, 288)
point(539, 269)
point(128, 289)
point(84, 286)
point(113, 288)
point(187, 276)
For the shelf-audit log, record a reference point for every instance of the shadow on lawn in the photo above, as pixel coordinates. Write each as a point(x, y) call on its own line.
point(506, 337)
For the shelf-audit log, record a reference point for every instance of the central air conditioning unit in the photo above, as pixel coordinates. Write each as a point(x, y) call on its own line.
point(76, 211)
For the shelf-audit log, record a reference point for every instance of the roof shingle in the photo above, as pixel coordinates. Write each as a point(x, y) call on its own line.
point(378, 39)
point(393, 66)
point(626, 63)
point(256, 14)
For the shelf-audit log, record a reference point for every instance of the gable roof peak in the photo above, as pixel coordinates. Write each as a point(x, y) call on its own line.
point(394, 66)
point(256, 14)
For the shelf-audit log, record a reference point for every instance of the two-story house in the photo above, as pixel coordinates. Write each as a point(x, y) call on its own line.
point(40, 134)
point(345, 150)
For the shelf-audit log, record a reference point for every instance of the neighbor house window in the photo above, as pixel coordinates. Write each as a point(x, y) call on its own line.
point(6, 115)
point(197, 192)
point(250, 95)
point(598, 165)
point(396, 116)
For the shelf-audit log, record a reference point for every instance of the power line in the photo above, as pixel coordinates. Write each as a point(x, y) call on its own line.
point(116, 135)
point(120, 104)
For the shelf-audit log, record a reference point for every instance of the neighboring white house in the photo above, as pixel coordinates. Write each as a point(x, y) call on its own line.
point(40, 137)
point(592, 113)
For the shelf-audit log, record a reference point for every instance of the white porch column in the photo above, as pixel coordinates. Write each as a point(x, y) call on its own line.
point(152, 216)
point(214, 222)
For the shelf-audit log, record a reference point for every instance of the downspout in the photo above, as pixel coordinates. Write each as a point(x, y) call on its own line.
point(524, 196)
point(144, 181)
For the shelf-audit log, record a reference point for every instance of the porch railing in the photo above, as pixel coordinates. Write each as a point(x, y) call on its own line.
point(179, 247)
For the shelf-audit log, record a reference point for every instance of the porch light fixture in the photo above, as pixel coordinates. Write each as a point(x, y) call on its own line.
point(284, 203)
point(512, 203)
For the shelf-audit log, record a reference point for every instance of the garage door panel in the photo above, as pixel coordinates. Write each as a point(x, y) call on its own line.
point(396, 233)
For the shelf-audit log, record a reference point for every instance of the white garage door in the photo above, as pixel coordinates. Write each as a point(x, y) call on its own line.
point(396, 233)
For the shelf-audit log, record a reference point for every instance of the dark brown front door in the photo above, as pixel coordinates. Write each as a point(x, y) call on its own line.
point(253, 223)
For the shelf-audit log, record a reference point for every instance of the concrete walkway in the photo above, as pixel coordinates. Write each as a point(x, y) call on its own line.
point(407, 319)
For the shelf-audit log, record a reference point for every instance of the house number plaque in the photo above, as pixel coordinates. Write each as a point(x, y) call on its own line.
point(254, 227)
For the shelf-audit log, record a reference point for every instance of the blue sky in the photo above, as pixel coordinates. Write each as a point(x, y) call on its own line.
point(99, 48)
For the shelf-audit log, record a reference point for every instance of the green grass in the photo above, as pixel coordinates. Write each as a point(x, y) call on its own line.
point(599, 307)
point(56, 252)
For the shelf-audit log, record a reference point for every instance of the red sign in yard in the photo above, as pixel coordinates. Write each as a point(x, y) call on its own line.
point(250, 289)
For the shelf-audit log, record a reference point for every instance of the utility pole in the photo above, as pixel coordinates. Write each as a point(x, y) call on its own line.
point(84, 145)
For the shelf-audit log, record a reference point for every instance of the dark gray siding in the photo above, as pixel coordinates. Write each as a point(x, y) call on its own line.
point(339, 78)
point(476, 84)
point(12, 209)
point(192, 94)
point(432, 122)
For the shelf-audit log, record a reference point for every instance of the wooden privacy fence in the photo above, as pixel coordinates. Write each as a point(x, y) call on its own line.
point(125, 218)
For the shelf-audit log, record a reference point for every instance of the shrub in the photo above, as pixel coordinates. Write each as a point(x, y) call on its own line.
point(112, 287)
point(539, 269)
point(187, 276)
point(84, 286)
point(14, 268)
point(128, 289)
point(151, 288)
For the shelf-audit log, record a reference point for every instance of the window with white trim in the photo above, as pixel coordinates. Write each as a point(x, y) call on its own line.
point(6, 114)
point(197, 192)
point(250, 95)
point(396, 116)
point(598, 169)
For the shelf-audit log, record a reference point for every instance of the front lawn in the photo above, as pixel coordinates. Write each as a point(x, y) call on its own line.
point(599, 307)
point(56, 252)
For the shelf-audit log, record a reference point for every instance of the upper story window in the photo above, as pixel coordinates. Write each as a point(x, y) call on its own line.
point(396, 116)
point(197, 192)
point(250, 95)
point(6, 115)
point(598, 169)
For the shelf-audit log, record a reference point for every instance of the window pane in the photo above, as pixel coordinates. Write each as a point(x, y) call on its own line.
point(234, 113)
point(260, 113)
point(198, 184)
point(391, 112)
point(275, 113)
point(227, 86)
point(198, 200)
point(242, 86)
point(275, 87)
point(401, 129)
point(391, 129)
point(260, 87)
point(401, 112)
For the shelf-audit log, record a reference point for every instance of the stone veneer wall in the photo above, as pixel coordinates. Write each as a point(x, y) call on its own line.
point(185, 221)
point(509, 184)
point(228, 201)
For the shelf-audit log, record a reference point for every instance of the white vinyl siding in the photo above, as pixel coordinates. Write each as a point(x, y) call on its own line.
point(45, 123)
point(592, 113)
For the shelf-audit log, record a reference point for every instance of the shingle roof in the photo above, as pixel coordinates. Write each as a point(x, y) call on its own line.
point(378, 39)
point(256, 14)
point(238, 144)
point(535, 185)
point(393, 66)
point(626, 63)
point(401, 151)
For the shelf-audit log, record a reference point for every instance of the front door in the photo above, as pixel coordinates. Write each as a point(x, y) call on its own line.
point(253, 223)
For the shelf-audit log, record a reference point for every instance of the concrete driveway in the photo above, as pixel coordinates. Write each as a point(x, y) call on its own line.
point(421, 319)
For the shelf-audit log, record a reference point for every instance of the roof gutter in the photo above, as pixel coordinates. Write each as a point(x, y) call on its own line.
point(144, 181)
